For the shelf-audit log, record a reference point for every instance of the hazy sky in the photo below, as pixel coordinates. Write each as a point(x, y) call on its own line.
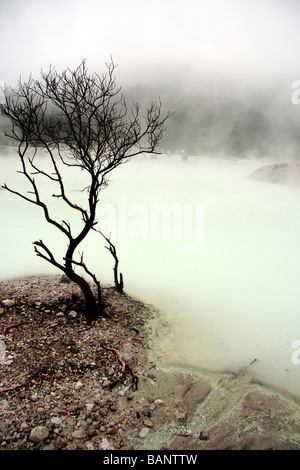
point(241, 40)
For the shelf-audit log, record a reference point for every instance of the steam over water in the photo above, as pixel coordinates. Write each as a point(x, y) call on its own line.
point(226, 280)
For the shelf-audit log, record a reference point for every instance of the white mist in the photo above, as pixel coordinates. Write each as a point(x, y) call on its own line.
point(232, 299)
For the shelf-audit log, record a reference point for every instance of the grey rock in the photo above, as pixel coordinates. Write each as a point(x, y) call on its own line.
point(78, 385)
point(106, 383)
point(105, 445)
point(89, 407)
point(56, 421)
point(79, 434)
point(72, 314)
point(39, 434)
point(144, 433)
point(8, 302)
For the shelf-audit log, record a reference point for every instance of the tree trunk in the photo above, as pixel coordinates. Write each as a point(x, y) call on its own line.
point(119, 284)
point(93, 310)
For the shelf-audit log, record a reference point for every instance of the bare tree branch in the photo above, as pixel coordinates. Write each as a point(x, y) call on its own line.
point(118, 280)
point(48, 256)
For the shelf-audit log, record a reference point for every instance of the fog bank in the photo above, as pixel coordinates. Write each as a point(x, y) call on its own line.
point(230, 300)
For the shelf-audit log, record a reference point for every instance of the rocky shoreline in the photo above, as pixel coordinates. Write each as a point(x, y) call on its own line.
point(56, 382)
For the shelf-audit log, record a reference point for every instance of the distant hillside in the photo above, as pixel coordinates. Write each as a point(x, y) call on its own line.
point(288, 173)
point(224, 122)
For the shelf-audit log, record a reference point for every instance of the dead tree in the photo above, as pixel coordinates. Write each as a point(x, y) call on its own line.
point(118, 279)
point(82, 123)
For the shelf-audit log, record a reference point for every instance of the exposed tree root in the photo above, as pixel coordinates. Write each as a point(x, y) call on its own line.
point(124, 365)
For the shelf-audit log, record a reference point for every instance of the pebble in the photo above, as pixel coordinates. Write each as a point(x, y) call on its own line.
point(203, 436)
point(147, 413)
point(56, 421)
point(158, 402)
point(78, 385)
point(79, 434)
point(143, 433)
point(106, 383)
point(8, 302)
point(122, 403)
point(148, 423)
point(1, 310)
point(39, 434)
point(72, 314)
point(59, 443)
point(105, 444)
